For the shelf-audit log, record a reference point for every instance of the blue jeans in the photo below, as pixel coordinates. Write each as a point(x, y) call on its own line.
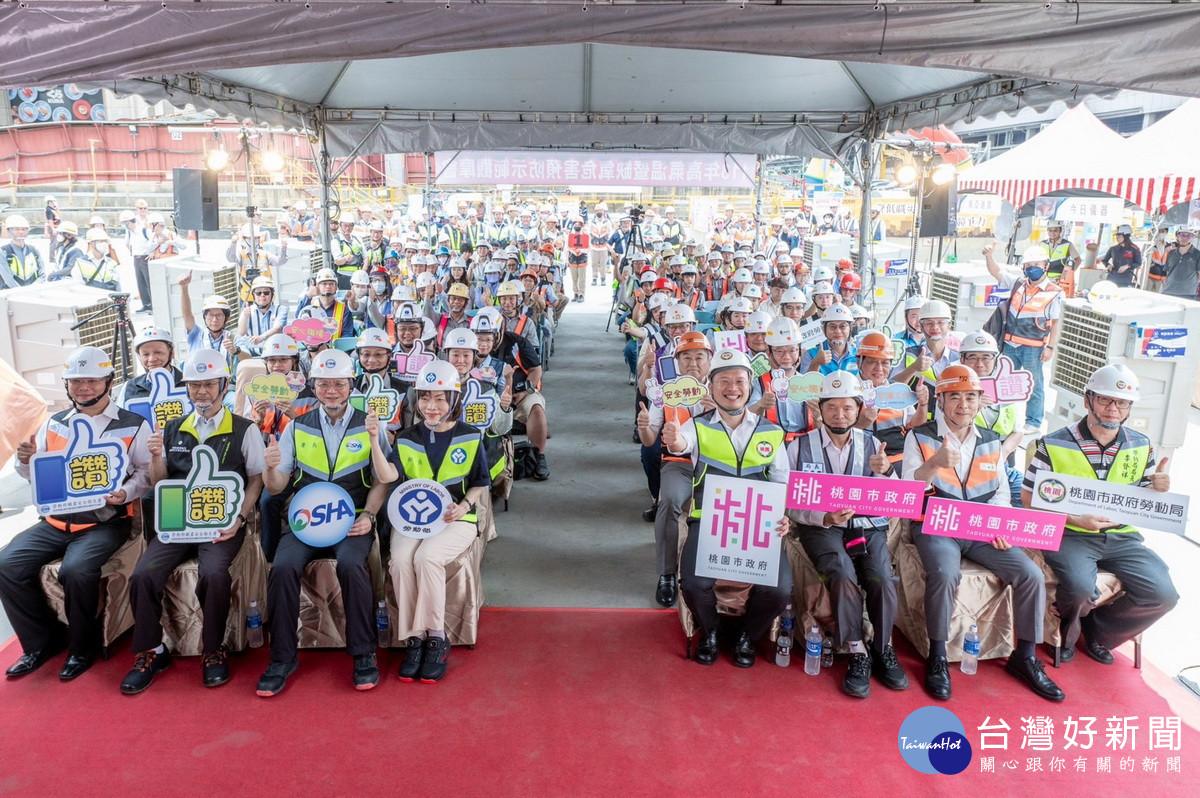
point(1030, 359)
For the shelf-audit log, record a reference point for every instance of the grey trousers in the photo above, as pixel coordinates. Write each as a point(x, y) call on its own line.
point(674, 489)
point(853, 583)
point(942, 559)
point(1149, 591)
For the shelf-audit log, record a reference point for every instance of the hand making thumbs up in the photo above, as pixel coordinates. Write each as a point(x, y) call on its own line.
point(1160, 480)
point(879, 462)
point(272, 457)
point(948, 455)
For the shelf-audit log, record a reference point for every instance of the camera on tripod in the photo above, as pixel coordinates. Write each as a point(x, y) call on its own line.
point(636, 213)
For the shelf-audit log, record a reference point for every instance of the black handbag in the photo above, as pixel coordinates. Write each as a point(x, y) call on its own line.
point(998, 321)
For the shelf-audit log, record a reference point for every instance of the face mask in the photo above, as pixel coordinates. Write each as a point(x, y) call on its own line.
point(1035, 273)
point(837, 430)
point(380, 286)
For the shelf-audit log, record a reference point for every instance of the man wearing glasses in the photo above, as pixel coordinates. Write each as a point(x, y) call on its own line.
point(1183, 266)
point(1101, 447)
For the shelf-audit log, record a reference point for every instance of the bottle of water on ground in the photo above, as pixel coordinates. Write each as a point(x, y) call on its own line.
point(970, 657)
point(382, 625)
point(254, 631)
point(827, 652)
point(783, 643)
point(812, 652)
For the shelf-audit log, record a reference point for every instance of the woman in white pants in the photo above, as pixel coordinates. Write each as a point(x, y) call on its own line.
point(444, 449)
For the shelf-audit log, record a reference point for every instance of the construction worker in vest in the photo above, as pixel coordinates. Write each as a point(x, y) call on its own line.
point(837, 351)
point(738, 283)
point(731, 441)
point(304, 226)
point(320, 302)
point(462, 350)
point(693, 355)
point(1101, 447)
point(260, 319)
point(375, 359)
point(924, 362)
point(239, 450)
point(823, 298)
point(887, 424)
point(980, 353)
point(84, 540)
point(69, 251)
point(250, 267)
point(769, 394)
point(529, 406)
point(329, 444)
point(347, 250)
point(1032, 326)
point(20, 262)
point(850, 551)
point(154, 349)
point(1155, 258)
point(1063, 256)
point(407, 324)
point(444, 449)
point(690, 293)
point(957, 459)
point(516, 322)
point(95, 267)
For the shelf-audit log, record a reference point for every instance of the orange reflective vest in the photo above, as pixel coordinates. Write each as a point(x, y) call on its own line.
point(985, 478)
point(58, 438)
point(1027, 322)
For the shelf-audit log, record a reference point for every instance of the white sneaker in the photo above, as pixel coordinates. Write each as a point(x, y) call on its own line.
point(1032, 429)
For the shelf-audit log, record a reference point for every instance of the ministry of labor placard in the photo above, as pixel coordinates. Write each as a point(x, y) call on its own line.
point(1122, 504)
point(738, 540)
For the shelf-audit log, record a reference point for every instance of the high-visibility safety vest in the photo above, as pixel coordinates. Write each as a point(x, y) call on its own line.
point(692, 300)
point(1027, 314)
point(715, 289)
point(465, 442)
point(341, 247)
point(58, 438)
point(1001, 419)
point(180, 439)
point(811, 458)
point(93, 273)
point(351, 467)
point(1128, 467)
point(1059, 255)
point(772, 413)
point(715, 451)
point(889, 429)
point(24, 270)
point(987, 467)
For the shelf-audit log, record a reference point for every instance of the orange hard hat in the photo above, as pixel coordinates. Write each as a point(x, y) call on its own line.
point(851, 281)
point(846, 264)
point(958, 378)
point(693, 340)
point(664, 283)
point(876, 345)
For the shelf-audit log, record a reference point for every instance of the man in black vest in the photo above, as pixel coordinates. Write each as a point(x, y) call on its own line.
point(239, 449)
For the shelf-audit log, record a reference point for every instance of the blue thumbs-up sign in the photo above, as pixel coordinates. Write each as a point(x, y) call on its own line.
point(79, 477)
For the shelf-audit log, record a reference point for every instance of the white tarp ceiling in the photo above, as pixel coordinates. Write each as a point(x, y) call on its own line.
point(772, 78)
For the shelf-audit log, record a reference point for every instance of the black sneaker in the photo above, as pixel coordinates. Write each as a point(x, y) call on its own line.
point(275, 677)
point(542, 472)
point(215, 667)
point(146, 666)
point(857, 683)
point(650, 513)
point(887, 669)
point(412, 659)
point(366, 671)
point(433, 659)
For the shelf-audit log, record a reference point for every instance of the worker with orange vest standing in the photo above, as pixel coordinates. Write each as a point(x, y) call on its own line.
point(84, 541)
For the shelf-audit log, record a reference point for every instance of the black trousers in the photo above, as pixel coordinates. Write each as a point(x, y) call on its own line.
point(854, 582)
point(149, 583)
point(141, 270)
point(358, 595)
point(83, 555)
point(763, 606)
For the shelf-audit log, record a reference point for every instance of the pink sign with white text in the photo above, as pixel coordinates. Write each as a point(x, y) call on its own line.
point(1033, 529)
point(893, 498)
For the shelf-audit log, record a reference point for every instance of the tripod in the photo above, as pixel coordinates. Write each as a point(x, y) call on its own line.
point(632, 239)
point(120, 342)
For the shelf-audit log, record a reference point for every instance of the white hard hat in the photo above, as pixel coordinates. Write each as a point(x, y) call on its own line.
point(757, 322)
point(262, 281)
point(1035, 254)
point(1115, 381)
point(487, 320)
point(1124, 230)
point(740, 305)
point(840, 385)
point(783, 259)
point(648, 276)
point(126, 216)
point(742, 276)
point(424, 280)
point(914, 303)
point(326, 275)
point(155, 218)
point(373, 338)
point(16, 220)
point(149, 334)
point(689, 268)
point(761, 267)
point(639, 256)
point(729, 359)
point(332, 363)
point(205, 364)
point(438, 376)
point(823, 274)
point(403, 293)
point(280, 345)
point(934, 309)
point(493, 267)
point(713, 255)
point(259, 231)
point(49, 198)
point(68, 229)
point(1054, 223)
point(823, 287)
point(753, 291)
point(96, 219)
point(88, 362)
point(679, 313)
point(375, 226)
point(460, 338)
point(979, 341)
point(678, 260)
point(300, 205)
point(407, 312)
point(658, 301)
point(96, 234)
point(793, 296)
point(215, 302)
point(360, 277)
point(782, 331)
point(837, 313)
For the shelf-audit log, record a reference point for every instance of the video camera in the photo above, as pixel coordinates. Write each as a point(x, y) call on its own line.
point(636, 213)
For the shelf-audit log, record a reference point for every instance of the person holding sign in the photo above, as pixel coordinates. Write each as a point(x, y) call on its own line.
point(887, 422)
point(960, 460)
point(155, 349)
point(1101, 447)
point(980, 353)
point(328, 444)
point(239, 450)
point(850, 551)
point(924, 362)
point(773, 403)
point(374, 358)
point(485, 406)
point(444, 449)
point(731, 441)
point(837, 351)
point(320, 302)
point(95, 450)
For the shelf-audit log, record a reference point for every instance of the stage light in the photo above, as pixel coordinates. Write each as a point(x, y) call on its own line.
point(943, 174)
point(216, 160)
point(272, 161)
point(906, 174)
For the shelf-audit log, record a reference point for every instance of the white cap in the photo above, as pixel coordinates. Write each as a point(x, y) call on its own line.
point(840, 385)
point(1115, 381)
point(205, 364)
point(332, 363)
point(88, 362)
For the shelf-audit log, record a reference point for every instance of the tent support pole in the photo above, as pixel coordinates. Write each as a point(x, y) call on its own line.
point(323, 163)
point(758, 201)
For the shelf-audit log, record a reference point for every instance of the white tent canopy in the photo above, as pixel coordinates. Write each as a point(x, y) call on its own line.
point(1168, 152)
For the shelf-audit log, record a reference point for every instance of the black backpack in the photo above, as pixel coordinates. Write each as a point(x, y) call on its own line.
point(525, 460)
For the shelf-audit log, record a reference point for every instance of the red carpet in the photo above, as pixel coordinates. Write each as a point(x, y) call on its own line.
point(556, 702)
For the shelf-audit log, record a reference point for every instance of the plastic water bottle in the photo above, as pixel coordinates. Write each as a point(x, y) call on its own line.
point(970, 657)
point(827, 652)
point(382, 625)
point(812, 652)
point(783, 643)
point(254, 632)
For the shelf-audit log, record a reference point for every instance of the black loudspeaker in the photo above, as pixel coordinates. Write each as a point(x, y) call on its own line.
point(196, 206)
point(939, 210)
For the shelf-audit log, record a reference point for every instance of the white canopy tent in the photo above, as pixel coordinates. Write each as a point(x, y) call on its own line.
point(1168, 153)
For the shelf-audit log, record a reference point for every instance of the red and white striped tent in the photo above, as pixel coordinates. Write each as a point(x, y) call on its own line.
point(1168, 154)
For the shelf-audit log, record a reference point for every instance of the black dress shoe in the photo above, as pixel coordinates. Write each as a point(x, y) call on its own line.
point(146, 666)
point(1031, 671)
point(937, 678)
point(1097, 651)
point(650, 513)
point(887, 669)
point(706, 650)
point(542, 472)
point(412, 659)
point(214, 668)
point(743, 651)
point(665, 595)
point(28, 663)
point(75, 666)
point(1065, 654)
point(857, 683)
point(366, 671)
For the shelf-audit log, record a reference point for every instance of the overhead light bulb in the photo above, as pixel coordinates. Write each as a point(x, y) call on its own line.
point(906, 175)
point(943, 174)
point(272, 161)
point(216, 160)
